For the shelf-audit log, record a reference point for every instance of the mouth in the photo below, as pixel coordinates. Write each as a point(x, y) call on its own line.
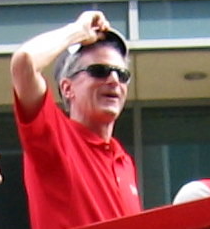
point(111, 95)
point(111, 101)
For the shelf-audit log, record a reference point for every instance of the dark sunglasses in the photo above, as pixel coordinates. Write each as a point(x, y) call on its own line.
point(100, 71)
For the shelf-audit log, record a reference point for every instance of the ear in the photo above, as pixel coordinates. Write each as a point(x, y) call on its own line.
point(65, 85)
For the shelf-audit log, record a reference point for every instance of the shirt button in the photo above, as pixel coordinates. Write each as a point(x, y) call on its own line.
point(106, 147)
point(118, 179)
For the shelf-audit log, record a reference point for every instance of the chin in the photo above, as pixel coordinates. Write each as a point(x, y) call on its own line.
point(111, 114)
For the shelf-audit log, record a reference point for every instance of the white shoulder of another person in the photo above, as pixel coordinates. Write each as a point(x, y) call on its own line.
point(191, 191)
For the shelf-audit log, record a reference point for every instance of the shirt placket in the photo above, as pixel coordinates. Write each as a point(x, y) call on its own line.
point(109, 152)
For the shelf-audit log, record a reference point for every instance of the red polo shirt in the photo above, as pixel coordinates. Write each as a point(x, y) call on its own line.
point(72, 177)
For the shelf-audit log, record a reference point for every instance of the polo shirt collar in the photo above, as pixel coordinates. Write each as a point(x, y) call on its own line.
point(93, 139)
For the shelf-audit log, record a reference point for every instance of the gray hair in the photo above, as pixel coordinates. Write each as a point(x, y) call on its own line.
point(65, 67)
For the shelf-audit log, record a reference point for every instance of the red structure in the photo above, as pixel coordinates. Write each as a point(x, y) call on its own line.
point(191, 215)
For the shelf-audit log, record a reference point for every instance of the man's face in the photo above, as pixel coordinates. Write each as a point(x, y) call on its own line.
point(98, 99)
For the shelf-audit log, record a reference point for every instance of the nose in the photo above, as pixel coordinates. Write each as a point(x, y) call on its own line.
point(113, 77)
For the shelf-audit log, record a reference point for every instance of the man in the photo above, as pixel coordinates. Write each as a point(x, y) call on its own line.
point(193, 190)
point(76, 173)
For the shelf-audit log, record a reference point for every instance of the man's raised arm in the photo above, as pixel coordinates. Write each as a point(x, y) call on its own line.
point(34, 55)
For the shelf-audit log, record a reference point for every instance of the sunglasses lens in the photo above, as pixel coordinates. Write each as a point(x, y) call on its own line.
point(103, 71)
point(99, 71)
point(124, 76)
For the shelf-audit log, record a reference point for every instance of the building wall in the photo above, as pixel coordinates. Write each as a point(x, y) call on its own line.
point(165, 113)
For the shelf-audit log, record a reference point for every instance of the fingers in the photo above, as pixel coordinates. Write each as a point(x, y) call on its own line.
point(100, 21)
point(94, 20)
point(93, 24)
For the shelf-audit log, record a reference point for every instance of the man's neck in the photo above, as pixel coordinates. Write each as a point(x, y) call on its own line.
point(102, 129)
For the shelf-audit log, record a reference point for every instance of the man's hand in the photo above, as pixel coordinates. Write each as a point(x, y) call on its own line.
point(93, 23)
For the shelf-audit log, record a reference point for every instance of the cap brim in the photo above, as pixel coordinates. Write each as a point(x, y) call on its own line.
point(115, 35)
